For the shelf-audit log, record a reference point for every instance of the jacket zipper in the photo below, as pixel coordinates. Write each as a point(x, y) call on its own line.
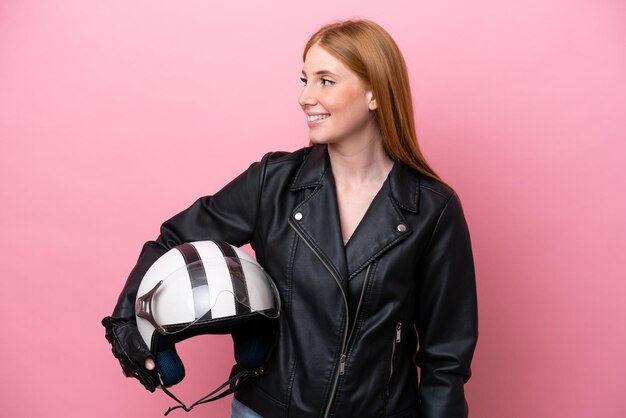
point(396, 340)
point(344, 355)
point(358, 307)
point(346, 338)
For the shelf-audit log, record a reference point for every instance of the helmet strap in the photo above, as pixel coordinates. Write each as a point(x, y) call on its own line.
point(238, 377)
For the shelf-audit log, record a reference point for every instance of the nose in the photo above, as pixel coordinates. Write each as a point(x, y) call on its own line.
point(307, 97)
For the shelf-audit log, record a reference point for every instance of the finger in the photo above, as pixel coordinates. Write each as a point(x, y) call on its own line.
point(149, 364)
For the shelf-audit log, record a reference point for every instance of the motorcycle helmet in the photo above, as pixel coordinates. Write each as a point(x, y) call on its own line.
point(206, 287)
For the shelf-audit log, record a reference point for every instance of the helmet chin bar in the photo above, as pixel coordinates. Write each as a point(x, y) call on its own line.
point(143, 308)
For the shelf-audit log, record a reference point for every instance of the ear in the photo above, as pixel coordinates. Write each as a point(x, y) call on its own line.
point(371, 101)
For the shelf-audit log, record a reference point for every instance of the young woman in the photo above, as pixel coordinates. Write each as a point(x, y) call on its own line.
point(368, 248)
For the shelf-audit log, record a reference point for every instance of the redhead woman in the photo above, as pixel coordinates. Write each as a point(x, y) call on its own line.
point(367, 246)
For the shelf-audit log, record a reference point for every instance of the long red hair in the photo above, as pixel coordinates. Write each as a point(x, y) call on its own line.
point(369, 51)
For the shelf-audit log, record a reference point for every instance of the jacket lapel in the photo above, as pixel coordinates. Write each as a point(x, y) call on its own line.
point(381, 227)
point(317, 217)
point(384, 224)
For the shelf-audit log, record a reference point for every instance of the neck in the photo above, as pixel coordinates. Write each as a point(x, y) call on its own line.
point(359, 163)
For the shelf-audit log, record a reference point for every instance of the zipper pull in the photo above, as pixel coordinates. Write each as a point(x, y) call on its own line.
point(342, 364)
point(399, 332)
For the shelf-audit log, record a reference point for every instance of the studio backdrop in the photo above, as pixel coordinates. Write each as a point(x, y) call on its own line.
point(115, 115)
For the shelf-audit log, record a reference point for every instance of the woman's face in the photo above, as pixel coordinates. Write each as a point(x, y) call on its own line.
point(337, 104)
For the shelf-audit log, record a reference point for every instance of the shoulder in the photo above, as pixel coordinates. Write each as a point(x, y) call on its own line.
point(417, 192)
point(286, 157)
point(439, 206)
point(424, 195)
point(434, 189)
point(279, 167)
point(285, 163)
point(441, 200)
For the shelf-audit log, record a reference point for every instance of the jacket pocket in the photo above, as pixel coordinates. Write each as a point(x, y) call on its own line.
point(397, 339)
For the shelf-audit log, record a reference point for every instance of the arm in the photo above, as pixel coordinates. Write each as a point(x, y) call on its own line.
point(230, 215)
point(447, 322)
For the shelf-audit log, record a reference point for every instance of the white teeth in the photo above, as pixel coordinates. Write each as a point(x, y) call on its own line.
point(313, 118)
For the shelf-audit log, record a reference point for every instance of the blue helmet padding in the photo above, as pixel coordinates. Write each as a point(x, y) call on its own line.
point(253, 343)
point(170, 366)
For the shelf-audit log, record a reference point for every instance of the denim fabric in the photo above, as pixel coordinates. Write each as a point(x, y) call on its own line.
point(239, 410)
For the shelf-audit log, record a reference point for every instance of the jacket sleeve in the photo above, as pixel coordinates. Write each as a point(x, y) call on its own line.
point(447, 319)
point(229, 215)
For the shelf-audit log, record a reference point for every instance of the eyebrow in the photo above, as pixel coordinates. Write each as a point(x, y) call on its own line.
point(321, 72)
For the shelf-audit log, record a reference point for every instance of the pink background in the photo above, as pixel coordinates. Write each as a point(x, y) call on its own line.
point(115, 115)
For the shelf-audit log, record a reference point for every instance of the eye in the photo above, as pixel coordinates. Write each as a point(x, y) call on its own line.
point(327, 82)
point(303, 80)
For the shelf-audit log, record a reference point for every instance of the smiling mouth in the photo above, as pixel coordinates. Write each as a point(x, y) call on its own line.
point(314, 118)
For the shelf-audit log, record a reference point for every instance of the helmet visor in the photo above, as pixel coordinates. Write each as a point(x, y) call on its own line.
point(211, 290)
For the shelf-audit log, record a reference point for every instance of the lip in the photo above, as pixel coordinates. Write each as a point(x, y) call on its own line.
point(316, 122)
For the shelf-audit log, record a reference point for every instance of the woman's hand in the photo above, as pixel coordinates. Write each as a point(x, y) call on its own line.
point(131, 351)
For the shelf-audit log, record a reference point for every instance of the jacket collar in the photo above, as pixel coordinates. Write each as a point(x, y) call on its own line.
point(403, 182)
point(382, 226)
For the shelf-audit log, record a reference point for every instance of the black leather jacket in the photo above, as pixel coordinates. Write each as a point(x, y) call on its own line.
point(351, 316)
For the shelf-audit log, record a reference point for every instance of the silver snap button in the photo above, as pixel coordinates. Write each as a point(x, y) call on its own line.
point(298, 216)
point(402, 227)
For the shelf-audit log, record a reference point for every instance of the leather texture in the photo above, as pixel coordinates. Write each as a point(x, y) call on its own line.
point(128, 347)
point(352, 316)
